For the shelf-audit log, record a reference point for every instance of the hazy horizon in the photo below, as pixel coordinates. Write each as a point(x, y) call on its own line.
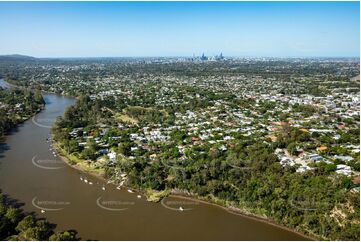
point(180, 29)
point(180, 56)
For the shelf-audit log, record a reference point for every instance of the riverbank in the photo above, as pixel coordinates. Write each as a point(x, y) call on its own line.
point(9, 84)
point(6, 132)
point(25, 118)
point(79, 165)
point(13, 85)
point(237, 212)
point(20, 116)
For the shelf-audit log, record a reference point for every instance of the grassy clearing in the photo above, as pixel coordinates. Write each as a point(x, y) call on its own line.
point(155, 196)
point(125, 118)
point(78, 163)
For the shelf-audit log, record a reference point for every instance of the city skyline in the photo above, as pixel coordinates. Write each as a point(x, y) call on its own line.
point(170, 29)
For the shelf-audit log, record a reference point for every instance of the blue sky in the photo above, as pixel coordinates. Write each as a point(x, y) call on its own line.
point(90, 29)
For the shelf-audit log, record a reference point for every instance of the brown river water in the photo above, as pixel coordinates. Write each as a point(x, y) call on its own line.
point(32, 174)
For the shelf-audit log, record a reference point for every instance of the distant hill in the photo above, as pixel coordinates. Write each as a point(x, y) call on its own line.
point(16, 58)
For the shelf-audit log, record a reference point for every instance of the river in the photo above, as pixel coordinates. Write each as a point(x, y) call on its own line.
point(32, 174)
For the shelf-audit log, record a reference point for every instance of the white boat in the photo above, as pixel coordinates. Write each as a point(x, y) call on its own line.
point(130, 191)
point(90, 183)
point(85, 180)
point(81, 178)
point(180, 209)
point(139, 196)
point(103, 188)
point(42, 211)
point(118, 188)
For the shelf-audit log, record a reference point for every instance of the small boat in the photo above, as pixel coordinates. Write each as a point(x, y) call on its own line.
point(139, 196)
point(90, 183)
point(181, 209)
point(42, 211)
point(130, 191)
point(103, 188)
point(85, 180)
point(81, 178)
point(118, 188)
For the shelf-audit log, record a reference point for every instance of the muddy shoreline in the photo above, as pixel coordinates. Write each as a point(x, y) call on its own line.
point(239, 212)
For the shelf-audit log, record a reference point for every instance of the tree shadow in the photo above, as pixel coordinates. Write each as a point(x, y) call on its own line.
point(4, 146)
point(11, 202)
